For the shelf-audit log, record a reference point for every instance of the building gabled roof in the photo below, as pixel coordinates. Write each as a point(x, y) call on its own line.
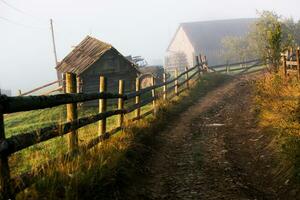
point(207, 35)
point(85, 54)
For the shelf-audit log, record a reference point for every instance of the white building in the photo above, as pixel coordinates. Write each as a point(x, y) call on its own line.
point(194, 38)
point(5, 92)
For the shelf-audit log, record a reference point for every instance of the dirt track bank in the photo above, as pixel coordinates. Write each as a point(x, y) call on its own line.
point(214, 150)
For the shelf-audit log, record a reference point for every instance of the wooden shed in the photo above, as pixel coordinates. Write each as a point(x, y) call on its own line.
point(93, 58)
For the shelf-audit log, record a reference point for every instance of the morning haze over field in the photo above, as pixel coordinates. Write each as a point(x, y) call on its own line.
point(134, 27)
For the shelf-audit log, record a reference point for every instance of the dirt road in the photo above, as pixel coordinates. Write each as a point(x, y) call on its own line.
point(215, 150)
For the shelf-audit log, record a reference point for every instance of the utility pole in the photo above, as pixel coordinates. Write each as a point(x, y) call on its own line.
point(54, 48)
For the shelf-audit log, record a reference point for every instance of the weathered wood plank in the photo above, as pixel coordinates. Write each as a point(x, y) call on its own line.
point(145, 90)
point(39, 88)
point(141, 104)
point(284, 65)
point(18, 104)
point(137, 98)
point(189, 78)
point(121, 102)
point(165, 95)
point(24, 140)
point(5, 187)
point(102, 106)
point(237, 63)
point(298, 62)
point(292, 63)
point(72, 114)
point(176, 82)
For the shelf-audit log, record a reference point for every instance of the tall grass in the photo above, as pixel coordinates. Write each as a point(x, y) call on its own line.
point(278, 102)
point(94, 173)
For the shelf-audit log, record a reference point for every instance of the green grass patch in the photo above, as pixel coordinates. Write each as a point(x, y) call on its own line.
point(102, 172)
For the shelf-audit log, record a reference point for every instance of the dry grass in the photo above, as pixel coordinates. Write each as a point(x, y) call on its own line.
point(278, 102)
point(98, 173)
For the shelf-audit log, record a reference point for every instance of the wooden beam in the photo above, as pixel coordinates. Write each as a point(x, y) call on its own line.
point(187, 78)
point(298, 62)
point(5, 187)
point(284, 66)
point(39, 88)
point(18, 104)
point(121, 103)
point(291, 63)
point(176, 82)
point(165, 95)
point(153, 94)
point(102, 105)
point(137, 98)
point(23, 140)
point(72, 111)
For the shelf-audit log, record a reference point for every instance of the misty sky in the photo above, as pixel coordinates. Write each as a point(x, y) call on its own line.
point(137, 27)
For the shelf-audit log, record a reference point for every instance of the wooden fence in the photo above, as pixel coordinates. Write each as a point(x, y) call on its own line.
point(10, 186)
point(291, 61)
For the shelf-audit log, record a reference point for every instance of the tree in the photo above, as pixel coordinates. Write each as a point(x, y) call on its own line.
point(268, 39)
point(237, 49)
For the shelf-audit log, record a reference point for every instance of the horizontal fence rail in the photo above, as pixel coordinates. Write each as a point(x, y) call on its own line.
point(21, 141)
point(233, 64)
point(292, 61)
point(41, 87)
point(28, 103)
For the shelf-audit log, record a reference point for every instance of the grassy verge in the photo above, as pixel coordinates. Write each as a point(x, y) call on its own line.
point(277, 99)
point(105, 171)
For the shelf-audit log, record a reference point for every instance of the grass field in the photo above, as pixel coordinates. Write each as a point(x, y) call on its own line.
point(22, 122)
point(91, 174)
point(18, 123)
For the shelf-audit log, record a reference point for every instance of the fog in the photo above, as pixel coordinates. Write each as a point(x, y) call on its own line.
point(136, 27)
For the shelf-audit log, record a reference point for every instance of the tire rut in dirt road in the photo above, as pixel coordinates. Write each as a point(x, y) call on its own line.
point(192, 163)
point(215, 150)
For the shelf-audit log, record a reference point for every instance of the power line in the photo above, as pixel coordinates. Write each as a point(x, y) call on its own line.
point(13, 7)
point(20, 24)
point(18, 10)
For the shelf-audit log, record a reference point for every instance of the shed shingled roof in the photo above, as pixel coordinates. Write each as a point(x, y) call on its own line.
point(85, 54)
point(207, 35)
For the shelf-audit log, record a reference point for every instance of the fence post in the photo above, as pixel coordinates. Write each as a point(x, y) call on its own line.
point(102, 106)
point(227, 67)
point(206, 64)
point(137, 98)
point(284, 66)
point(164, 87)
point(153, 94)
point(187, 77)
point(121, 102)
point(176, 82)
point(5, 188)
point(72, 110)
point(298, 62)
point(79, 84)
point(64, 83)
point(201, 61)
point(198, 66)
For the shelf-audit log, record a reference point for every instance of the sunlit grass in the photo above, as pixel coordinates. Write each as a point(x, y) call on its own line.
point(278, 104)
point(99, 167)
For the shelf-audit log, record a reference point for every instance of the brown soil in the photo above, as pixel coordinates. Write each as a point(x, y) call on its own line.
point(216, 151)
